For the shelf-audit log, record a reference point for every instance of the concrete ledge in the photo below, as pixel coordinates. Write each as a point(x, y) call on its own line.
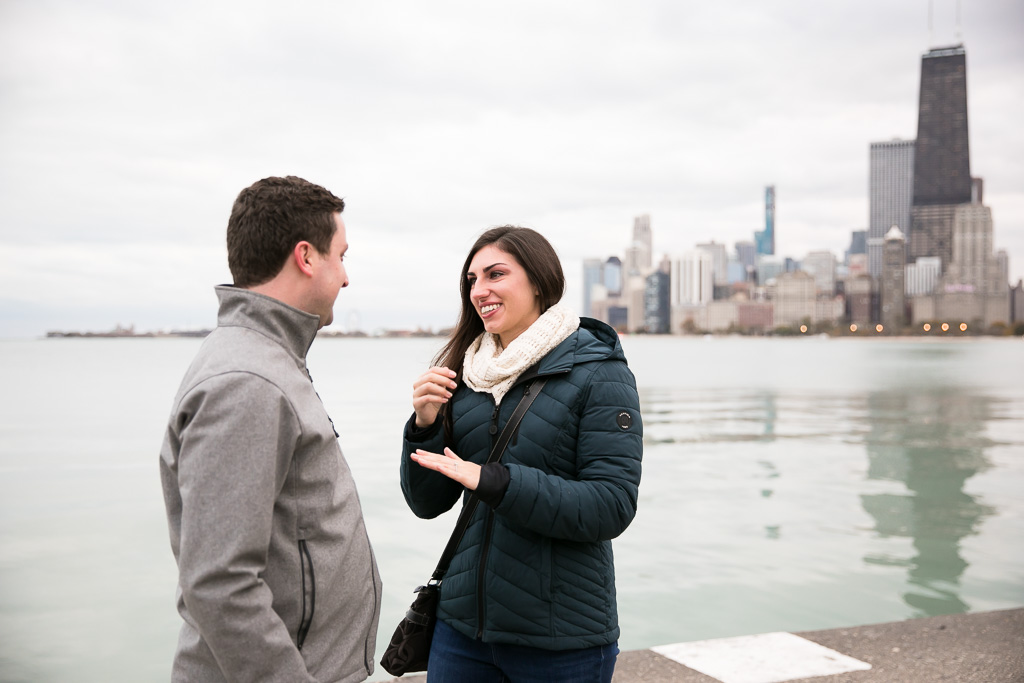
point(965, 648)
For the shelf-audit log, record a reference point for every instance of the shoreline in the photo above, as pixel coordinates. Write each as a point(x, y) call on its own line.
point(398, 334)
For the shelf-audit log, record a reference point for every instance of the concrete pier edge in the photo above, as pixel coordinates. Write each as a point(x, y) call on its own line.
point(985, 647)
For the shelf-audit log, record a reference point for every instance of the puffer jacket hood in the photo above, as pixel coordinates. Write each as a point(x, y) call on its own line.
point(537, 569)
point(594, 341)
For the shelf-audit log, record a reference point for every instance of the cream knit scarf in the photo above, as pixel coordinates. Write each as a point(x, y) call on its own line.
point(491, 369)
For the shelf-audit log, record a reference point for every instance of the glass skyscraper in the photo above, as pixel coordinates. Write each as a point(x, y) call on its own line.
point(765, 239)
point(890, 195)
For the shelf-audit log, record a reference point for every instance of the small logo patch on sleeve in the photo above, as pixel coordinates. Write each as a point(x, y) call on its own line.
point(624, 420)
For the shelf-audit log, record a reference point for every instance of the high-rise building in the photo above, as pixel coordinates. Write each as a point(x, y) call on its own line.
point(922, 276)
point(693, 279)
point(765, 239)
point(973, 264)
point(769, 267)
point(1017, 302)
point(856, 260)
point(746, 253)
point(974, 288)
point(822, 265)
point(639, 252)
point(642, 230)
point(975, 285)
point(858, 244)
point(719, 261)
point(1003, 267)
point(657, 309)
point(736, 271)
point(858, 265)
point(942, 169)
point(894, 266)
point(618, 317)
point(931, 232)
point(949, 220)
point(593, 274)
point(633, 292)
point(858, 299)
point(613, 276)
point(793, 296)
point(890, 195)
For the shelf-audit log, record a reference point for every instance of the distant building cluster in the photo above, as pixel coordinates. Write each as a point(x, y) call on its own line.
point(121, 331)
point(926, 261)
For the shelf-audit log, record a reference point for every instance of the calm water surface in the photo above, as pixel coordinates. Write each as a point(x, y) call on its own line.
point(789, 484)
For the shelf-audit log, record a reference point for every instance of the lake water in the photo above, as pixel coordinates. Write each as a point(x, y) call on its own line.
point(789, 484)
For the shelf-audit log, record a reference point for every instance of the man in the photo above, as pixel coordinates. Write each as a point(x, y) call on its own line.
point(277, 580)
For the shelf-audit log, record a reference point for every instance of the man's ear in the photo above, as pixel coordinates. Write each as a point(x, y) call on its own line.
point(302, 255)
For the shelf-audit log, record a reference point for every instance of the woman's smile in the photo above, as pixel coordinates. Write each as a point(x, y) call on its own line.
point(487, 310)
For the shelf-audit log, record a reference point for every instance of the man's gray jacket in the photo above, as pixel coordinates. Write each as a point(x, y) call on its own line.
point(277, 580)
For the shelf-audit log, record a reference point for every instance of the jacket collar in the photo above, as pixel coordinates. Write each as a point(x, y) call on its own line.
point(293, 329)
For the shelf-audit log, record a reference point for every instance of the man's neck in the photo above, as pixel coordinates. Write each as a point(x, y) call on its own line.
point(279, 289)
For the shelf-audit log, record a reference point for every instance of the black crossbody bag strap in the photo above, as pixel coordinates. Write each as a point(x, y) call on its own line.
point(532, 391)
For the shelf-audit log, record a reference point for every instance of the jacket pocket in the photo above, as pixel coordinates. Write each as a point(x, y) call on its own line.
point(308, 594)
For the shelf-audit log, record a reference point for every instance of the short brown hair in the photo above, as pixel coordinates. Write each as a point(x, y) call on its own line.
point(269, 218)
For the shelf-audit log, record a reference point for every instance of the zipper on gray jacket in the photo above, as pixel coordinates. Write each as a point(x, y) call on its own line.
point(371, 635)
point(306, 620)
point(333, 428)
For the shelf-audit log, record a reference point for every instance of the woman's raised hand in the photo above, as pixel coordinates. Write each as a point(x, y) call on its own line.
point(430, 391)
point(451, 466)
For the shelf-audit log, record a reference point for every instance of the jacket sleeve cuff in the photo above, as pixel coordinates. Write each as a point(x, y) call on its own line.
point(414, 434)
point(494, 480)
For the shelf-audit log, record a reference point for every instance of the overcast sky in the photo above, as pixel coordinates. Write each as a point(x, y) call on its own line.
point(127, 129)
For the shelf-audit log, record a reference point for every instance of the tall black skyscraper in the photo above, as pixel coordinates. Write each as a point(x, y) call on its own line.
point(942, 169)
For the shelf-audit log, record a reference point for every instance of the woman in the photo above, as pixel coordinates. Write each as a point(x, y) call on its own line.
point(530, 594)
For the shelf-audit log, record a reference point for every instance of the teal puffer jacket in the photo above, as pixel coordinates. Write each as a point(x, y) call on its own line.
point(538, 570)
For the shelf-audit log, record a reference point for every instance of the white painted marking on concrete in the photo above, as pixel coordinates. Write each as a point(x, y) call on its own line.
point(765, 658)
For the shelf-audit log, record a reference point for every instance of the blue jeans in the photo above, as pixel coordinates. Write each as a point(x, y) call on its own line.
point(454, 658)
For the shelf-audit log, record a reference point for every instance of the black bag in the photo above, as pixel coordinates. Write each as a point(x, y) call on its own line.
point(409, 648)
point(410, 645)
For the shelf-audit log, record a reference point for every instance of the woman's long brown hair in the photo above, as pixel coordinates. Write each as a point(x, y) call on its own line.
point(544, 271)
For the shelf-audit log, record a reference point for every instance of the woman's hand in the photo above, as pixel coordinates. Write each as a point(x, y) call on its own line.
point(451, 466)
point(430, 391)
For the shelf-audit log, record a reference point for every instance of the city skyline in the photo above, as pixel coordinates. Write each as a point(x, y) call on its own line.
point(128, 131)
point(946, 268)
